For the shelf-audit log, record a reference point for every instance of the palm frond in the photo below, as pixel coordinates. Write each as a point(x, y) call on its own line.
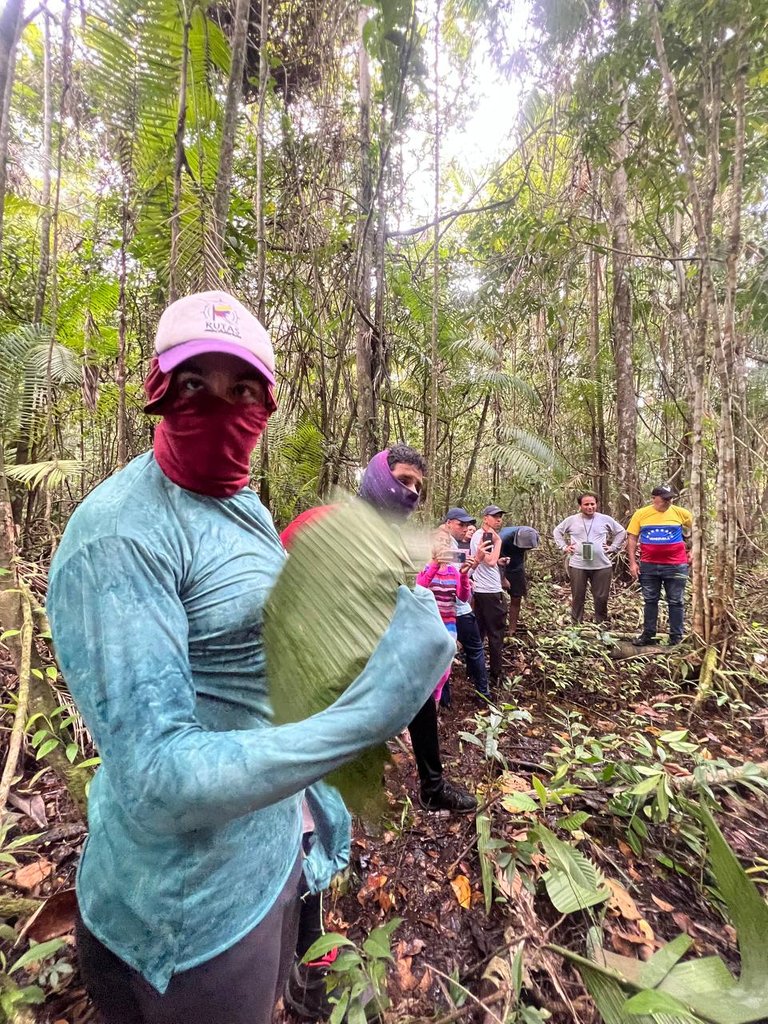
point(527, 456)
point(45, 475)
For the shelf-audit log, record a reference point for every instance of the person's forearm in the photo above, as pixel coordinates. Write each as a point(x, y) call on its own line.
point(632, 549)
point(560, 538)
point(492, 559)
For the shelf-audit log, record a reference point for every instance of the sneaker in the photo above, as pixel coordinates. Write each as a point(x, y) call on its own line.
point(449, 797)
point(306, 992)
point(674, 641)
point(644, 641)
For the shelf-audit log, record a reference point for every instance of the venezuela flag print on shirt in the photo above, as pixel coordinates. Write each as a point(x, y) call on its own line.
point(661, 534)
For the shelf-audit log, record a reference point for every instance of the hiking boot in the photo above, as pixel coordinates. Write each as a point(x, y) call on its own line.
point(449, 797)
point(644, 641)
point(306, 993)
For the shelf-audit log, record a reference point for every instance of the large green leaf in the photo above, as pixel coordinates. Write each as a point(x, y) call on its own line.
point(573, 882)
point(704, 987)
point(327, 612)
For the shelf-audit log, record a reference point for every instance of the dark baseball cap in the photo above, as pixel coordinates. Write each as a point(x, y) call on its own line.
point(461, 514)
point(664, 492)
point(493, 510)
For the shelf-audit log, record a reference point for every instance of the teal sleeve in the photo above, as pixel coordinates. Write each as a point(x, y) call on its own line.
point(120, 631)
point(329, 846)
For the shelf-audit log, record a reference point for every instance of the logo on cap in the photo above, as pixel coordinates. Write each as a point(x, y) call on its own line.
point(222, 318)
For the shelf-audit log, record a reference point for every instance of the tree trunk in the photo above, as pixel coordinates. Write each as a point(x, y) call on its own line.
point(434, 352)
point(11, 21)
point(261, 233)
point(626, 400)
point(366, 408)
point(45, 191)
point(179, 161)
point(221, 197)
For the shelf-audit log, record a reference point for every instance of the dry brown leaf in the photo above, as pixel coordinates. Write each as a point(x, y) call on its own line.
point(56, 917)
point(426, 980)
point(463, 890)
point(622, 902)
point(32, 874)
point(646, 930)
point(662, 904)
point(405, 977)
point(625, 848)
point(511, 783)
point(621, 945)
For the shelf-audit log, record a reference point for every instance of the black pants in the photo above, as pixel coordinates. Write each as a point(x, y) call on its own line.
point(239, 986)
point(469, 637)
point(426, 748)
point(491, 614)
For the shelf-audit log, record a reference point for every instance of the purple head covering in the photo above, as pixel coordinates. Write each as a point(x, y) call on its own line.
point(382, 490)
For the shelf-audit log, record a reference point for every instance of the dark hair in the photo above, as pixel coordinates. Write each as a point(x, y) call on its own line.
point(586, 494)
point(404, 453)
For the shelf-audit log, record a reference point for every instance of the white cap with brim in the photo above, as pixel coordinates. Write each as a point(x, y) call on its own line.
point(213, 322)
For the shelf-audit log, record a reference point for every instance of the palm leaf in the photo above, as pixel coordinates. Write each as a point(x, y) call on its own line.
point(46, 475)
point(323, 619)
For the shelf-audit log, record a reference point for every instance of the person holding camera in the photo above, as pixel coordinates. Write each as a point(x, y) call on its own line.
point(460, 527)
point(450, 585)
point(485, 549)
point(589, 538)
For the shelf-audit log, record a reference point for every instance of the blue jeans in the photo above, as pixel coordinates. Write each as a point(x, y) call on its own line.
point(674, 577)
point(469, 637)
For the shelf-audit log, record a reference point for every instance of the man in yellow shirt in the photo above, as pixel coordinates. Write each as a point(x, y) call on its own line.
point(661, 529)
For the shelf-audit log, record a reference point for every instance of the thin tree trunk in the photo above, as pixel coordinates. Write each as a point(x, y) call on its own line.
point(122, 421)
point(221, 198)
point(724, 556)
point(261, 233)
point(597, 410)
point(179, 161)
point(45, 191)
point(626, 401)
point(11, 21)
point(434, 357)
point(366, 409)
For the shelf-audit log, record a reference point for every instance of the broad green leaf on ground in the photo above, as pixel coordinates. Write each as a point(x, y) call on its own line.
point(703, 987)
point(573, 882)
point(483, 824)
point(323, 619)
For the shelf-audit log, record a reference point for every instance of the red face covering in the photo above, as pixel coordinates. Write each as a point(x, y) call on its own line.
point(203, 443)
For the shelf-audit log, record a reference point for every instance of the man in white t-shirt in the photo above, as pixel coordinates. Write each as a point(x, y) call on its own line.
point(589, 538)
point(490, 610)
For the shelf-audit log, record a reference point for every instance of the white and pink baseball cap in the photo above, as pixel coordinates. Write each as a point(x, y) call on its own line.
point(213, 322)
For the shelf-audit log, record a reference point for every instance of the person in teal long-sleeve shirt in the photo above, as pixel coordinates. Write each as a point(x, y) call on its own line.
point(188, 884)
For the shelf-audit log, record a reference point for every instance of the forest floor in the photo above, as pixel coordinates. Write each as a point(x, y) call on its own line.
point(573, 732)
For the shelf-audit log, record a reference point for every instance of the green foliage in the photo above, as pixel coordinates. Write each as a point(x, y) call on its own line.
point(357, 980)
point(573, 882)
point(698, 990)
point(25, 355)
point(14, 997)
point(324, 617)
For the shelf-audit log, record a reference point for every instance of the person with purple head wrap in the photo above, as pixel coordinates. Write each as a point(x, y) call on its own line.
point(392, 484)
point(389, 482)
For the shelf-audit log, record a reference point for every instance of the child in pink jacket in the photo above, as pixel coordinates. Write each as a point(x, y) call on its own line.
point(448, 584)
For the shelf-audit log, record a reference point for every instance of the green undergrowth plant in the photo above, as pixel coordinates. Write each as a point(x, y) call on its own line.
point(490, 729)
point(17, 997)
point(668, 989)
point(357, 978)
